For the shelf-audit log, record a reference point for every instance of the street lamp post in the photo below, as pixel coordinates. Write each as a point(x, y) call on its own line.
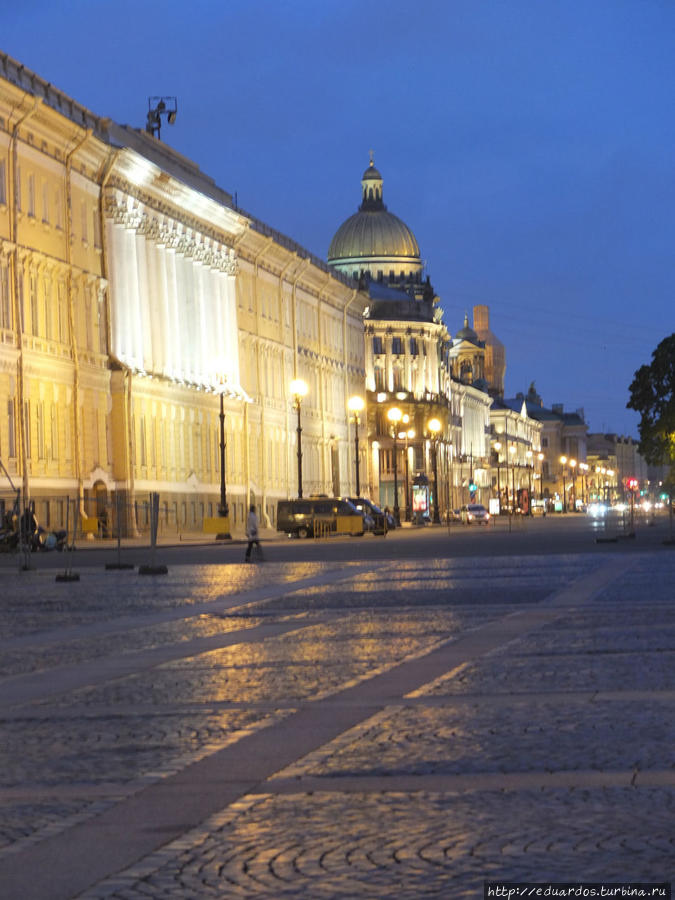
point(512, 508)
point(395, 415)
point(530, 464)
point(298, 391)
point(407, 436)
point(223, 508)
point(540, 457)
point(498, 447)
point(563, 462)
point(573, 492)
point(434, 427)
point(355, 406)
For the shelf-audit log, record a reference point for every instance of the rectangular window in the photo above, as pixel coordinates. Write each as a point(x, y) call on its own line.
point(11, 430)
point(5, 304)
point(31, 195)
point(64, 330)
point(54, 431)
point(377, 346)
point(26, 421)
point(58, 209)
point(96, 231)
point(141, 441)
point(34, 313)
point(396, 346)
point(3, 182)
point(40, 428)
point(45, 202)
point(84, 218)
point(544, 442)
point(413, 346)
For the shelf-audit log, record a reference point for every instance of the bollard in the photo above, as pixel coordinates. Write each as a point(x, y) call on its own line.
point(68, 574)
point(153, 568)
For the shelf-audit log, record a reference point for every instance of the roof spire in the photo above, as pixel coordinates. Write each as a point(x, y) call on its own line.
point(372, 160)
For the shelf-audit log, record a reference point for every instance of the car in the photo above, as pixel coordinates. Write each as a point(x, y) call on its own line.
point(475, 512)
point(374, 518)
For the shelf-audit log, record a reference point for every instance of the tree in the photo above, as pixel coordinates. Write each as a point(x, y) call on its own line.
point(652, 394)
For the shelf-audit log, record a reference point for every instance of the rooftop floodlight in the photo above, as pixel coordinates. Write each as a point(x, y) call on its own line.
point(158, 107)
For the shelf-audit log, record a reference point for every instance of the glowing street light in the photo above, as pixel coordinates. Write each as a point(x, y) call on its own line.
point(356, 405)
point(434, 427)
point(395, 415)
point(299, 389)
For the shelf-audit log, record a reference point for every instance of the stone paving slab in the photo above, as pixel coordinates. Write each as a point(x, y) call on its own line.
point(339, 758)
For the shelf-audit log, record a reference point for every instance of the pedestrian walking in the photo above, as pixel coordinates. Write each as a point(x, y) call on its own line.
point(252, 533)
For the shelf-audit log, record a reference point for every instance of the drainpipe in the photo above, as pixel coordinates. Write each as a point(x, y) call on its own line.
point(18, 312)
point(71, 320)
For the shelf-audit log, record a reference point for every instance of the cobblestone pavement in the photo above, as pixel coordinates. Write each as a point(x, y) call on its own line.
point(379, 729)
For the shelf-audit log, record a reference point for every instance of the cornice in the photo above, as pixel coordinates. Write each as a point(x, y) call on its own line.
point(165, 231)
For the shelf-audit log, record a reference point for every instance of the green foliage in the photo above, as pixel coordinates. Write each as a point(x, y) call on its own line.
point(652, 394)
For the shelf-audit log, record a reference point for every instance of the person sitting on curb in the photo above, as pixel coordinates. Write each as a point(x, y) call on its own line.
point(252, 533)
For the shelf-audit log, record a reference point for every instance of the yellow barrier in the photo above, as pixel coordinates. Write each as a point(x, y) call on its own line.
point(216, 525)
point(89, 525)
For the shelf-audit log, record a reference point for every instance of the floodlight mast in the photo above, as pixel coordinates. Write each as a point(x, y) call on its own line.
point(158, 107)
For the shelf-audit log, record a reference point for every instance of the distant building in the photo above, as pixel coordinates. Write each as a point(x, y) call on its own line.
point(409, 364)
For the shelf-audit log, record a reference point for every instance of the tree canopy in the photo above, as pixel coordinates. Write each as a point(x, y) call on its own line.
point(652, 394)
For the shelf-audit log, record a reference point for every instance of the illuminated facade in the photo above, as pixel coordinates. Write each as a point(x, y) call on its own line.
point(132, 295)
point(409, 366)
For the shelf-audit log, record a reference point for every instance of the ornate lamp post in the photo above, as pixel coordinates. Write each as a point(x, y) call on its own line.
point(395, 415)
point(498, 447)
point(434, 427)
point(540, 457)
point(563, 463)
point(512, 451)
point(223, 508)
point(299, 389)
point(573, 467)
point(355, 405)
point(407, 436)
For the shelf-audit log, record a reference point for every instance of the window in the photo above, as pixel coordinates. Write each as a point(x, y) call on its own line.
point(379, 378)
point(45, 202)
point(85, 229)
point(58, 209)
point(26, 419)
point(5, 304)
point(544, 442)
point(11, 430)
point(377, 346)
point(40, 428)
point(397, 346)
point(54, 431)
point(31, 195)
point(34, 313)
point(3, 187)
point(414, 350)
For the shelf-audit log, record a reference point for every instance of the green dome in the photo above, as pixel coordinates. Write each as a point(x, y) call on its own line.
point(373, 233)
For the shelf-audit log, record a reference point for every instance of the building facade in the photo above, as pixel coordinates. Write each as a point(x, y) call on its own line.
point(427, 424)
point(135, 299)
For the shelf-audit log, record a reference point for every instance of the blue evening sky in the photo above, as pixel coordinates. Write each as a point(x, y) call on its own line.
point(529, 144)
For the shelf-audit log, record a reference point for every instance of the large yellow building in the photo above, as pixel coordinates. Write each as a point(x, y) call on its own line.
point(133, 296)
